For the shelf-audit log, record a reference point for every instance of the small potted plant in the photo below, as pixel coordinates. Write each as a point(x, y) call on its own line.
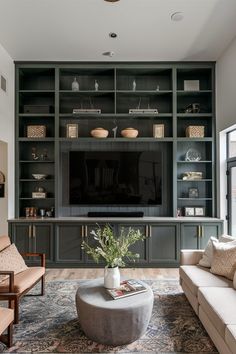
point(114, 250)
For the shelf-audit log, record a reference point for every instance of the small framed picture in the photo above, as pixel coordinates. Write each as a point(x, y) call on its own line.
point(72, 130)
point(193, 193)
point(158, 130)
point(199, 211)
point(189, 211)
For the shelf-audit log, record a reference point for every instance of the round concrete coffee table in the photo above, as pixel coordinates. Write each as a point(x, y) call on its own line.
point(112, 322)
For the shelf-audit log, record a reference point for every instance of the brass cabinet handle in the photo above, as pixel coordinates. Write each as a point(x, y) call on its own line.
point(82, 232)
point(29, 231)
point(146, 231)
point(202, 231)
point(199, 231)
point(150, 231)
point(85, 231)
point(34, 231)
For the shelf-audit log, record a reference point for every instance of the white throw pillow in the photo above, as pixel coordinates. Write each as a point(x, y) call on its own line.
point(10, 259)
point(207, 256)
point(224, 259)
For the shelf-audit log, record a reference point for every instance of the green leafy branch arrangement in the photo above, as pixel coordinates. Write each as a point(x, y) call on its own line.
point(113, 249)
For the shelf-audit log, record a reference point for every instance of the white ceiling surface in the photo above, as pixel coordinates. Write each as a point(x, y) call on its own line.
point(78, 30)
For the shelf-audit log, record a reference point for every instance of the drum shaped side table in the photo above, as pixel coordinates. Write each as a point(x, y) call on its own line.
point(112, 322)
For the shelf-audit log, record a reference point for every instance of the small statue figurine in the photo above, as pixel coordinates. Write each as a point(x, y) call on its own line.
point(34, 153)
point(134, 85)
point(115, 131)
point(96, 85)
point(158, 88)
point(75, 85)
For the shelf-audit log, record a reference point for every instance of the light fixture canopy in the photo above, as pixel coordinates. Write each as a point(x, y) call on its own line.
point(177, 16)
point(111, 0)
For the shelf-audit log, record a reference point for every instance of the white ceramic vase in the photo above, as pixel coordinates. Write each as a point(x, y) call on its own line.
point(111, 277)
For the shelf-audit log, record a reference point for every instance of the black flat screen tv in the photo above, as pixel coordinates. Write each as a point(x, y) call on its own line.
point(115, 178)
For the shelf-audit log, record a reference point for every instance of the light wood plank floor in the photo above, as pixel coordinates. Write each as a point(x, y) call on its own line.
point(90, 273)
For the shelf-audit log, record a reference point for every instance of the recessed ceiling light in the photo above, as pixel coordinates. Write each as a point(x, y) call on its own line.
point(177, 16)
point(112, 35)
point(108, 54)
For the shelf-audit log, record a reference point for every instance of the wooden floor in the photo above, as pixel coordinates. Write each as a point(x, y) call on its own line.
point(90, 273)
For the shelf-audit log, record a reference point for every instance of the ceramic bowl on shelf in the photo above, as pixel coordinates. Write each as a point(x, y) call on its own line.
point(39, 176)
point(129, 133)
point(99, 133)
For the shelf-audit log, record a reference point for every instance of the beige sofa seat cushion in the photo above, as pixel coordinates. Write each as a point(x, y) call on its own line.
point(4, 242)
point(6, 317)
point(196, 276)
point(230, 337)
point(219, 305)
point(23, 280)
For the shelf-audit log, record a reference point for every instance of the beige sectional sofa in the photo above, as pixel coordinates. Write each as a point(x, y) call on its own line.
point(213, 298)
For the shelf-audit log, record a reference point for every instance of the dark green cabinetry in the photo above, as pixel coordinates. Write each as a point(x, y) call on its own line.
point(196, 236)
point(34, 237)
point(68, 242)
point(163, 244)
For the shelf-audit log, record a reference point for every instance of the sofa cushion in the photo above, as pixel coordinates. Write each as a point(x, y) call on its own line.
point(23, 280)
point(7, 317)
point(10, 259)
point(219, 304)
point(4, 242)
point(224, 259)
point(226, 238)
point(230, 337)
point(196, 276)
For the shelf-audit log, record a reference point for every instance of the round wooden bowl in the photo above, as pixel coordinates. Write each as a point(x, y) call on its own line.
point(129, 133)
point(99, 133)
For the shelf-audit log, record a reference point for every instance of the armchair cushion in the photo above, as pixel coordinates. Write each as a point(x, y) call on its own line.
point(23, 280)
point(10, 259)
point(6, 317)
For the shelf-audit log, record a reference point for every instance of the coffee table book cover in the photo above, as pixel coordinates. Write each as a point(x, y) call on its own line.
point(127, 288)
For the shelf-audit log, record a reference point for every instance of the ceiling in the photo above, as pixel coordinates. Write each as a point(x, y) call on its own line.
point(78, 30)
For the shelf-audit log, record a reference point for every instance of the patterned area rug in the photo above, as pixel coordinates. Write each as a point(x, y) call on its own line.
point(49, 324)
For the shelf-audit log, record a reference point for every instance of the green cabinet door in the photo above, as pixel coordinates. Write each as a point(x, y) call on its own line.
point(34, 237)
point(69, 238)
point(164, 244)
point(196, 235)
point(208, 230)
point(140, 247)
point(190, 236)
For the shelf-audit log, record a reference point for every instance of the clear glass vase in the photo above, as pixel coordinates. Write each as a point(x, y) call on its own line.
point(111, 277)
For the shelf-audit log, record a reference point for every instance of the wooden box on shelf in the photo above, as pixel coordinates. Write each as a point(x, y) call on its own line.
point(195, 131)
point(36, 131)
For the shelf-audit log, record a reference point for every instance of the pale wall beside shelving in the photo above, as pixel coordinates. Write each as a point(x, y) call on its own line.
point(7, 122)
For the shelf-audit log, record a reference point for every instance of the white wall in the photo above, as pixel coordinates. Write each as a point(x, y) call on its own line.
point(226, 117)
point(4, 200)
point(7, 122)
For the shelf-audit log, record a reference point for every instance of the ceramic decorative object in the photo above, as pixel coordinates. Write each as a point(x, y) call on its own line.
point(134, 86)
point(75, 85)
point(193, 155)
point(39, 176)
point(111, 277)
point(96, 85)
point(129, 133)
point(99, 133)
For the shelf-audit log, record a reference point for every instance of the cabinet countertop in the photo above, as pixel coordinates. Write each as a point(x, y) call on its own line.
point(145, 219)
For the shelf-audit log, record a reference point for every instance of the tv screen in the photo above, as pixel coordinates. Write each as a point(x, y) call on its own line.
point(115, 177)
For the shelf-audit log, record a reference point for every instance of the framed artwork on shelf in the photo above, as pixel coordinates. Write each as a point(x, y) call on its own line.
point(158, 130)
point(189, 211)
point(199, 211)
point(72, 130)
point(193, 193)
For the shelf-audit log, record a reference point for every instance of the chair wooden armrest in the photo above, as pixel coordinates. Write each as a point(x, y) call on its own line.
point(11, 279)
point(33, 254)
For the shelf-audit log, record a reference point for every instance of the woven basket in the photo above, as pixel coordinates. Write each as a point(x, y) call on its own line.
point(36, 131)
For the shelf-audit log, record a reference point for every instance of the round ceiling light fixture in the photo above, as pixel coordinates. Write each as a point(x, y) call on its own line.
point(177, 16)
point(112, 0)
point(112, 35)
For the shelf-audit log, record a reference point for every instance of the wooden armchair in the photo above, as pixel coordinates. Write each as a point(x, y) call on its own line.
point(19, 284)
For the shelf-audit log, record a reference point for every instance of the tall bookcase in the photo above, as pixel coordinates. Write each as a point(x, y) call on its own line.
point(44, 97)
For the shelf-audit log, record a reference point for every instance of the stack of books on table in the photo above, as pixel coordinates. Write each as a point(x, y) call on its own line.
point(127, 288)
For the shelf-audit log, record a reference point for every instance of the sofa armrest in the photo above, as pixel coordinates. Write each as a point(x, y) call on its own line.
point(11, 279)
point(41, 255)
point(190, 257)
